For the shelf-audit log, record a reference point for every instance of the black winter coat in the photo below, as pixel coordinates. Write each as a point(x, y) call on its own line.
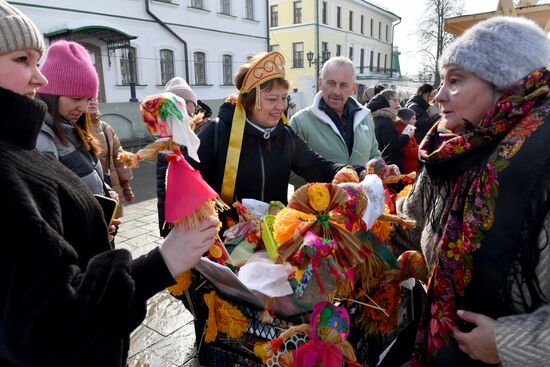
point(66, 297)
point(389, 141)
point(423, 121)
point(264, 165)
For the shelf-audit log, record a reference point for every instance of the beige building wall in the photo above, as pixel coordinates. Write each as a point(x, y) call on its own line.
point(344, 28)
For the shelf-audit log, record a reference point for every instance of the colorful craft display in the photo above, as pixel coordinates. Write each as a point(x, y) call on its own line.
point(189, 199)
point(321, 274)
point(312, 207)
point(326, 343)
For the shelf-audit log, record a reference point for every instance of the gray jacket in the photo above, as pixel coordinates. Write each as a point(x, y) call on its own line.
point(86, 165)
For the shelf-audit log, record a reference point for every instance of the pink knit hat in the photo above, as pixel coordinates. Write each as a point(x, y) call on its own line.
point(69, 71)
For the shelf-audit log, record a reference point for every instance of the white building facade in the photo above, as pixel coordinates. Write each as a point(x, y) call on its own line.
point(203, 41)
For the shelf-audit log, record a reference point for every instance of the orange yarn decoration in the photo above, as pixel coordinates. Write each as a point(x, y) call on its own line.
point(223, 318)
point(286, 223)
point(183, 281)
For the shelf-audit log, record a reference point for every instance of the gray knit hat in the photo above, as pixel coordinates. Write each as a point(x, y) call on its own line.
point(17, 31)
point(499, 50)
point(405, 114)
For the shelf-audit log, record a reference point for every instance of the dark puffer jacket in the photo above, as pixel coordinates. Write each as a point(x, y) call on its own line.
point(264, 166)
point(389, 141)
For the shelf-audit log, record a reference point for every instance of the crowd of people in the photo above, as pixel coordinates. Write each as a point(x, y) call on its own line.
point(481, 200)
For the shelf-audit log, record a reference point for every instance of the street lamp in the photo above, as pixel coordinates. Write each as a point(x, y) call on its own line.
point(319, 60)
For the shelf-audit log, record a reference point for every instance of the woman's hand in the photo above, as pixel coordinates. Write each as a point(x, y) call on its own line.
point(128, 195)
point(480, 343)
point(182, 248)
point(113, 194)
point(113, 229)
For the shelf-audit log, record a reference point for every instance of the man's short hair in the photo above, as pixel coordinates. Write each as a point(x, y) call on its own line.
point(424, 88)
point(341, 60)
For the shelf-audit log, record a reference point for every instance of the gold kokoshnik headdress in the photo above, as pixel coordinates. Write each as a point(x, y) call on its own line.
point(268, 67)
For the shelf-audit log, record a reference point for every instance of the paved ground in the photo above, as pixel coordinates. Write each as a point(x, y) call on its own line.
point(166, 337)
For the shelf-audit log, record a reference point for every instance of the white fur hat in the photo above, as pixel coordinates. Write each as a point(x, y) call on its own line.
point(500, 50)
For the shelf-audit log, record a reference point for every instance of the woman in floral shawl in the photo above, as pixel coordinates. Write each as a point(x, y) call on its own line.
point(482, 202)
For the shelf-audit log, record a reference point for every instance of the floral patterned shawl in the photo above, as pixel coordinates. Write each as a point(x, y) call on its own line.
point(469, 211)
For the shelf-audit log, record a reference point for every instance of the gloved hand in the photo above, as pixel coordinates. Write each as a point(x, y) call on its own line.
point(409, 130)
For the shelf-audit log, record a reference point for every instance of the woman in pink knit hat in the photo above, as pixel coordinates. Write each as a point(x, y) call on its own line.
point(66, 132)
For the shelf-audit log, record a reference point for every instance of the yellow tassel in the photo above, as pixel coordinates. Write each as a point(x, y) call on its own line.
point(267, 314)
point(210, 207)
point(259, 351)
point(258, 98)
point(223, 318)
point(211, 332)
point(183, 281)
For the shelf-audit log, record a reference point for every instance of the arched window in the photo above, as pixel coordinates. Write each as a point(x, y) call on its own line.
point(227, 62)
point(125, 54)
point(200, 68)
point(166, 65)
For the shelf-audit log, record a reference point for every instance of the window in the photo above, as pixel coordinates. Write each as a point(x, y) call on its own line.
point(200, 68)
point(249, 5)
point(199, 4)
point(350, 54)
point(371, 64)
point(297, 12)
point(324, 13)
point(371, 27)
point(378, 63)
point(362, 24)
point(227, 62)
point(338, 50)
point(166, 65)
point(225, 7)
point(324, 47)
point(273, 48)
point(338, 17)
point(274, 15)
point(379, 30)
point(362, 61)
point(298, 55)
point(125, 66)
point(385, 62)
point(351, 21)
point(387, 33)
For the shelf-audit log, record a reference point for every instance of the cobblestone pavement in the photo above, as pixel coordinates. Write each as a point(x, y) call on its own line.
point(166, 337)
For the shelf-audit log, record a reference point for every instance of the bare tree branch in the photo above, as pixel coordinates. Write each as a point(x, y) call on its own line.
point(432, 34)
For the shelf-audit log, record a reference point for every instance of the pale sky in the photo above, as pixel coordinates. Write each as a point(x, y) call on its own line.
point(411, 12)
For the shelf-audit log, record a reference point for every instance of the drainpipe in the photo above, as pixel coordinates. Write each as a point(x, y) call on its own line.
point(165, 26)
point(317, 48)
point(268, 18)
point(391, 54)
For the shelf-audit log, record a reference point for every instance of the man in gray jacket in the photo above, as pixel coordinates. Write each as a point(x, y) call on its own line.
point(336, 126)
